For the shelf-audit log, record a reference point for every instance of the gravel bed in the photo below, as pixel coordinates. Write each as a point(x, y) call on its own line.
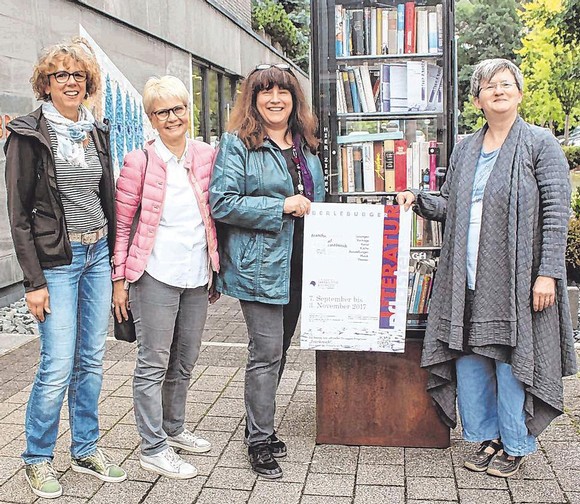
point(15, 319)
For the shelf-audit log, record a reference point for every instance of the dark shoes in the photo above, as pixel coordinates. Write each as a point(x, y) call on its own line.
point(262, 461)
point(504, 465)
point(277, 446)
point(479, 461)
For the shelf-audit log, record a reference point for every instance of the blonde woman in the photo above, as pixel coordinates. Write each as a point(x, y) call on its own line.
point(168, 270)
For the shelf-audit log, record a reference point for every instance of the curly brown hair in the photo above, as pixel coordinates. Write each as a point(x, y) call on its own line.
point(247, 122)
point(77, 50)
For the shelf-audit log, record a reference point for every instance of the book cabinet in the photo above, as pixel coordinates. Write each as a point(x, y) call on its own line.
point(382, 75)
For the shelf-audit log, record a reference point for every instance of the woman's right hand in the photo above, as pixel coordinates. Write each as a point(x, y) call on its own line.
point(120, 300)
point(38, 303)
point(406, 198)
point(297, 205)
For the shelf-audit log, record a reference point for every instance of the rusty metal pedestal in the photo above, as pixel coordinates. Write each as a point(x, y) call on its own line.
point(376, 398)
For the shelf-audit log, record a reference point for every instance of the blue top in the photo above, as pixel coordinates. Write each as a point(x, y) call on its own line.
point(483, 169)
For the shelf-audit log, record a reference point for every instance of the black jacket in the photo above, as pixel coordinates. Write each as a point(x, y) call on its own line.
point(35, 209)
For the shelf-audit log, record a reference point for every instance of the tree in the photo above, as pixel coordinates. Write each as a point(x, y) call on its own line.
point(484, 30)
point(550, 67)
point(568, 22)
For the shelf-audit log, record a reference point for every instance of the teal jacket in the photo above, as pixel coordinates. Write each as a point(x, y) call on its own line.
point(246, 197)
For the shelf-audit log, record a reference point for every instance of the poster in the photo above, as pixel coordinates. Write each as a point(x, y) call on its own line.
point(355, 279)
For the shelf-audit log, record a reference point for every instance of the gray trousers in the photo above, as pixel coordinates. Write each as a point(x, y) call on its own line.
point(169, 323)
point(265, 331)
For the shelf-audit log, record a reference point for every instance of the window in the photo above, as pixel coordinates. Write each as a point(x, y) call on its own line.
point(197, 103)
point(213, 98)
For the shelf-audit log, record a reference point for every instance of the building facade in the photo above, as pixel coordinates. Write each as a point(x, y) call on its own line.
point(209, 44)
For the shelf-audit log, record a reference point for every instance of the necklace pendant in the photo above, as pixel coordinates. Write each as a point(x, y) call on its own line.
point(300, 187)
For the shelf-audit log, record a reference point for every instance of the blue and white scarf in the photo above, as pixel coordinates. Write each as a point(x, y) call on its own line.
point(70, 134)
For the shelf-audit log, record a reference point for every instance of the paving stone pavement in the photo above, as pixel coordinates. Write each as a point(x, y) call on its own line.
point(323, 474)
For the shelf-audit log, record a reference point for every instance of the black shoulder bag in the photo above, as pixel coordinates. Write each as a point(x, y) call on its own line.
point(125, 330)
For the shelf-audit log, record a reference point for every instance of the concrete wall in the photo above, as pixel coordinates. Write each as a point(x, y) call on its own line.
point(142, 38)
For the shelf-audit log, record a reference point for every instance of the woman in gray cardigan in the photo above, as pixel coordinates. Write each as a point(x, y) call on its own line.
point(499, 335)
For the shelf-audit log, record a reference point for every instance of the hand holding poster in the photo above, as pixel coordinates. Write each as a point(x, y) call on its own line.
point(355, 279)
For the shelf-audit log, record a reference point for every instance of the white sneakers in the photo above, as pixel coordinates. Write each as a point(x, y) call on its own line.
point(189, 442)
point(168, 463)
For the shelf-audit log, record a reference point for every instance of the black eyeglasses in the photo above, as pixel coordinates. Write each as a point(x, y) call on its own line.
point(62, 76)
point(285, 67)
point(163, 114)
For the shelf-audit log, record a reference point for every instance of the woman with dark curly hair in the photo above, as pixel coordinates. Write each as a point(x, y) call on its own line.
point(265, 176)
point(60, 187)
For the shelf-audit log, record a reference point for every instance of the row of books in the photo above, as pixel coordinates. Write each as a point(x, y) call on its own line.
point(411, 86)
point(421, 276)
point(402, 29)
point(426, 233)
point(382, 162)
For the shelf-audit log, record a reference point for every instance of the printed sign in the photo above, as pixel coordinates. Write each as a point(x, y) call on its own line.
point(355, 279)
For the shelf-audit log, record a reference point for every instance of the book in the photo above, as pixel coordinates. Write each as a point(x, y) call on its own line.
point(344, 169)
point(439, 10)
point(347, 92)
point(354, 92)
point(338, 28)
point(410, 28)
point(357, 32)
point(392, 31)
point(422, 30)
point(376, 31)
point(382, 31)
point(367, 30)
point(400, 28)
point(398, 87)
point(368, 171)
point(364, 136)
point(357, 158)
point(433, 152)
point(432, 33)
point(434, 85)
point(400, 158)
point(378, 165)
point(385, 88)
point(350, 185)
point(341, 106)
point(360, 89)
point(416, 86)
point(389, 165)
point(368, 88)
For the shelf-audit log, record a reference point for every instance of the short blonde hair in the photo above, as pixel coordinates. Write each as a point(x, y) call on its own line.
point(79, 51)
point(159, 88)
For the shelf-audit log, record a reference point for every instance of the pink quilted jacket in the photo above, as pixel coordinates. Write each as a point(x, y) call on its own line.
point(130, 262)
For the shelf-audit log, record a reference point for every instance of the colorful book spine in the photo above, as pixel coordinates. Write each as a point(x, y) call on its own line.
point(410, 29)
point(433, 151)
point(400, 165)
point(400, 28)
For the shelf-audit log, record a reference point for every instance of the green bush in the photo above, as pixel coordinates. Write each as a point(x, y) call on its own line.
point(573, 250)
point(572, 155)
point(270, 16)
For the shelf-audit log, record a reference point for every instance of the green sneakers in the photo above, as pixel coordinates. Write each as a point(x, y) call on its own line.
point(99, 464)
point(42, 480)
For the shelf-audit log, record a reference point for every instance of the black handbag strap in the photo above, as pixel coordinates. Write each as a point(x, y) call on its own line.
point(137, 216)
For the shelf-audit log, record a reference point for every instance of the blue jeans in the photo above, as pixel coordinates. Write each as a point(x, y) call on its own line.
point(491, 404)
point(72, 346)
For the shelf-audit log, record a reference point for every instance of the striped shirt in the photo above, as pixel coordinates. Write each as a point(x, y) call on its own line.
point(78, 188)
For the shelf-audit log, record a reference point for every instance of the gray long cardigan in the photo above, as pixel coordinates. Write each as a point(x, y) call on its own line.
point(523, 235)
